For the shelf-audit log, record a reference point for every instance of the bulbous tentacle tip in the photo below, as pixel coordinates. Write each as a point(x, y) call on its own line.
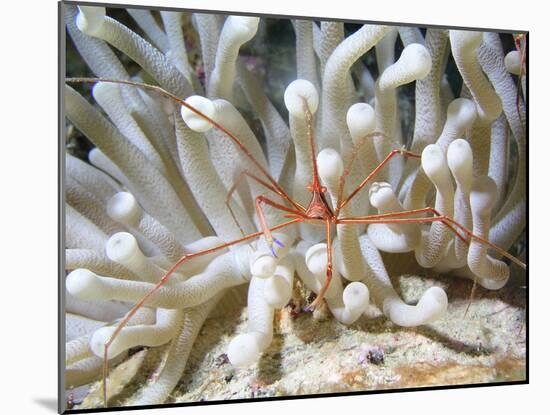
point(195, 121)
point(467, 39)
point(124, 208)
point(122, 248)
point(361, 121)
point(414, 63)
point(330, 164)
point(243, 351)
point(512, 61)
point(264, 266)
point(316, 258)
point(381, 195)
point(431, 307)
point(356, 296)
point(89, 19)
point(101, 337)
point(418, 58)
point(460, 160)
point(243, 27)
point(101, 90)
point(433, 304)
point(295, 94)
point(83, 284)
point(433, 159)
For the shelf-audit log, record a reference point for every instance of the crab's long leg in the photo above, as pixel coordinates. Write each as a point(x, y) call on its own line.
point(214, 124)
point(410, 213)
point(328, 276)
point(161, 282)
point(260, 200)
point(246, 173)
point(369, 178)
point(438, 217)
point(240, 178)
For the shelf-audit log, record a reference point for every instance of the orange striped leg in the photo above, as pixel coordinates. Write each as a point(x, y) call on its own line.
point(161, 282)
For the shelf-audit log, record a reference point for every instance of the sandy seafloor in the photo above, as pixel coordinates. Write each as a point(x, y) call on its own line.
point(314, 354)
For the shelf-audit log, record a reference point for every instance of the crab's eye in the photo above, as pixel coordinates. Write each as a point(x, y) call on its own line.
point(323, 189)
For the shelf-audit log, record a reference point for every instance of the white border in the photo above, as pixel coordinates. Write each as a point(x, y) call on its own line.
point(28, 157)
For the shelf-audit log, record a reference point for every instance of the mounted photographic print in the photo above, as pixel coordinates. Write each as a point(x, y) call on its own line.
point(264, 207)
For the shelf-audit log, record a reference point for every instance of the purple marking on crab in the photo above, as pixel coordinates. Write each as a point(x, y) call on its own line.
point(278, 243)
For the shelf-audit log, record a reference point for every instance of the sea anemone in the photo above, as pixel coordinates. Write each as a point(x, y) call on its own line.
point(156, 182)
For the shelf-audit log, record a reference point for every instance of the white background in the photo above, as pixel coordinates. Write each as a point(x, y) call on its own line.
point(28, 232)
